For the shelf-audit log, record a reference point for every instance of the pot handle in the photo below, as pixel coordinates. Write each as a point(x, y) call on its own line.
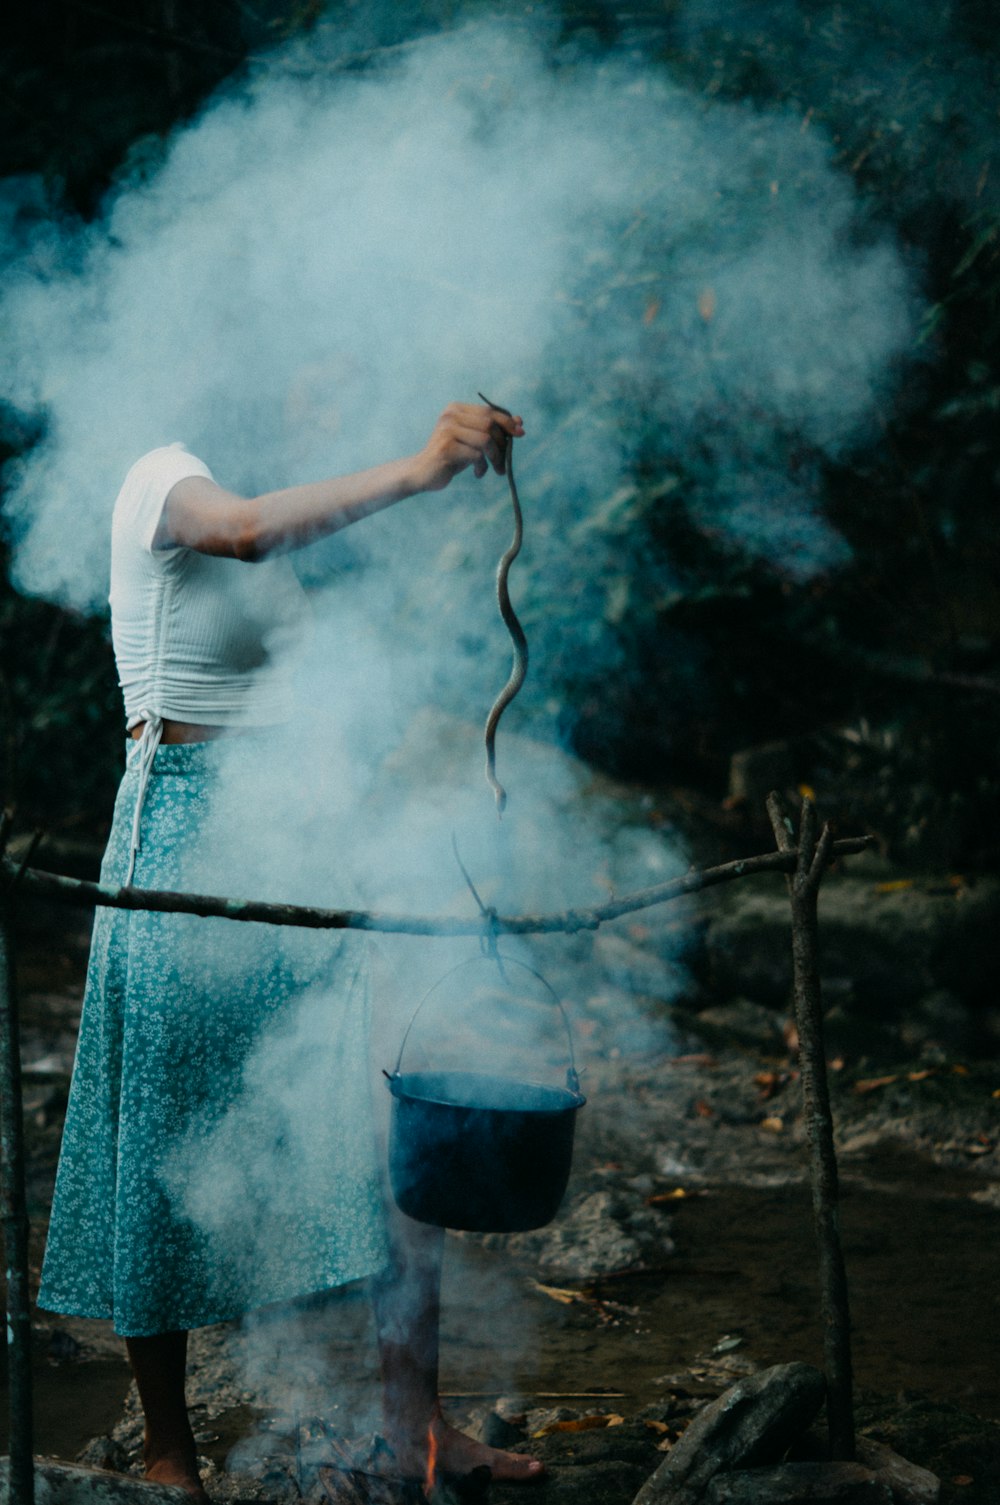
point(572, 1078)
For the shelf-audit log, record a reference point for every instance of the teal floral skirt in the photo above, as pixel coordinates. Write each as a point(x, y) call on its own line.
point(219, 1152)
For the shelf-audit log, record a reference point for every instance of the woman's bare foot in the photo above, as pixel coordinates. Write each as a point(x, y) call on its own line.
point(174, 1469)
point(458, 1454)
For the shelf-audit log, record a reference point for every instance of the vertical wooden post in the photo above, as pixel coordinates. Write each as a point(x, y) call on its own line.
point(15, 1220)
point(803, 891)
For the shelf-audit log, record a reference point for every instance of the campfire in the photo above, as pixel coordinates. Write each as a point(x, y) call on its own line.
point(310, 1463)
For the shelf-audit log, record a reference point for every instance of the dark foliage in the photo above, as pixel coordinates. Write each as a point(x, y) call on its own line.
point(898, 645)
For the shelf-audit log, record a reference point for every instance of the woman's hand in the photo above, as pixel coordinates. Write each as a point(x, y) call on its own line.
point(465, 434)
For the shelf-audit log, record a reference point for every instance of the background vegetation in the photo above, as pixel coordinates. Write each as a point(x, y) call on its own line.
point(879, 676)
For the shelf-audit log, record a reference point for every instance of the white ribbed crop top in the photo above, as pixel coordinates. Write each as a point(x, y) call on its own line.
point(196, 637)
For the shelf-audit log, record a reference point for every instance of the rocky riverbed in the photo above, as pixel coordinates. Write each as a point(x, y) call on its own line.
point(683, 1257)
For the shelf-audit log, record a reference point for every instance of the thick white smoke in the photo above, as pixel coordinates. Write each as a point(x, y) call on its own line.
point(323, 260)
point(319, 264)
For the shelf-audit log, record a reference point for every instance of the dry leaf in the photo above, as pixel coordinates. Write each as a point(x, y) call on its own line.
point(581, 1424)
point(773, 1125)
point(920, 1076)
point(960, 1071)
point(895, 886)
point(996, 1093)
point(768, 1082)
point(870, 1083)
point(652, 309)
point(963, 1479)
point(807, 791)
point(655, 1426)
point(703, 1109)
point(557, 1293)
point(659, 1197)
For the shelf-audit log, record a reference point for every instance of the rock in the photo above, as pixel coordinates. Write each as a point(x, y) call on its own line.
point(73, 1484)
point(796, 1483)
point(894, 946)
point(601, 1233)
point(106, 1453)
point(597, 1483)
point(755, 1421)
point(497, 1432)
point(910, 1484)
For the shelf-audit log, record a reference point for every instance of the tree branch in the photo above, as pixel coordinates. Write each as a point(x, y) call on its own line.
point(803, 890)
point(79, 891)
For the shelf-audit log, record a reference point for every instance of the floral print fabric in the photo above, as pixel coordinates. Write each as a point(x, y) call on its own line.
point(218, 1153)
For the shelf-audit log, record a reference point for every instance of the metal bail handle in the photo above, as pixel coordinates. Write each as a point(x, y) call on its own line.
point(572, 1079)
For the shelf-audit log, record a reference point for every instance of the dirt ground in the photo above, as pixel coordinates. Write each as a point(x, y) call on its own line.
point(683, 1257)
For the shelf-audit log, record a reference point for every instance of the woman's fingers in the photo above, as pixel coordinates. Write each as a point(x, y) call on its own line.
point(467, 434)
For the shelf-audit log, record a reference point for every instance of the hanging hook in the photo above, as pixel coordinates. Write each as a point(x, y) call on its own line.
point(487, 942)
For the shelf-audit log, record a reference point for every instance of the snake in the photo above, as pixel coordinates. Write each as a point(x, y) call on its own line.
point(519, 665)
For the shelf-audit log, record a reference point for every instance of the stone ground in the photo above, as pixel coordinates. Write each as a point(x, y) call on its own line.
point(682, 1258)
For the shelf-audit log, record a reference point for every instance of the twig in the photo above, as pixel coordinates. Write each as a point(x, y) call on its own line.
point(15, 1227)
point(80, 891)
point(811, 860)
point(25, 862)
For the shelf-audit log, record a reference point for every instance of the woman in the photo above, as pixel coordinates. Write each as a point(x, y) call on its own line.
point(165, 1040)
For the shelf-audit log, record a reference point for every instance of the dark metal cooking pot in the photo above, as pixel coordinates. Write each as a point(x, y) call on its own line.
point(476, 1151)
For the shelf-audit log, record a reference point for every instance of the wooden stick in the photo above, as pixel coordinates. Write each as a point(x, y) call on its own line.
point(15, 1223)
point(811, 859)
point(78, 891)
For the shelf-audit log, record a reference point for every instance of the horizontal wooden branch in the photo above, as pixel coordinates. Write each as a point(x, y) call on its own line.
point(78, 891)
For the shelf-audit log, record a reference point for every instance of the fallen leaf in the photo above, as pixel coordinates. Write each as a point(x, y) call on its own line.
point(963, 1479)
point(652, 309)
point(960, 1071)
point(869, 1084)
point(581, 1424)
point(837, 1064)
point(773, 1125)
point(656, 1426)
point(557, 1293)
point(768, 1082)
point(666, 1196)
point(706, 303)
point(996, 1093)
point(806, 791)
point(703, 1109)
point(791, 1036)
point(895, 886)
point(920, 1076)
point(695, 1060)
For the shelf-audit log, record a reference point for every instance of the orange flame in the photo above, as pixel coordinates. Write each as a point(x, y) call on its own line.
point(430, 1478)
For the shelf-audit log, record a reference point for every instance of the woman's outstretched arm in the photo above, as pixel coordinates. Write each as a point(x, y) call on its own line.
point(203, 516)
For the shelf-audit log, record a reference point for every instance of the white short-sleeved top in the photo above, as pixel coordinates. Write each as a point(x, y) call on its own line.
point(196, 637)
